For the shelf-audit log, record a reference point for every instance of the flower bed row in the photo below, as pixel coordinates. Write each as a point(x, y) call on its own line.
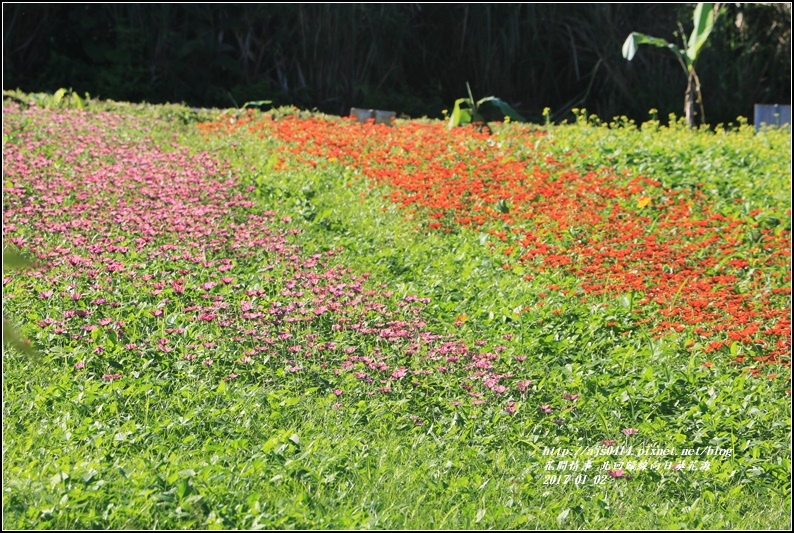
point(150, 256)
point(726, 279)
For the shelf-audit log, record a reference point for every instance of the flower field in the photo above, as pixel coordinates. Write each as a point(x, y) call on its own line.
point(276, 320)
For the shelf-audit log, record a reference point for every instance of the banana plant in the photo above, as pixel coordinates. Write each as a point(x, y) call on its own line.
point(704, 17)
point(467, 110)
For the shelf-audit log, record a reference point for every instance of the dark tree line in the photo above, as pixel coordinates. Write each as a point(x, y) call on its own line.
point(411, 58)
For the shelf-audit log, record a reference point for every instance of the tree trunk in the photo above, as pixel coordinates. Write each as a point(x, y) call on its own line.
point(689, 99)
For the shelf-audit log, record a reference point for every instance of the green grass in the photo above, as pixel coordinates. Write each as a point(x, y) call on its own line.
point(173, 446)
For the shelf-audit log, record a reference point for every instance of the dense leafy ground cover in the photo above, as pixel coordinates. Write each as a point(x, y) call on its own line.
point(275, 320)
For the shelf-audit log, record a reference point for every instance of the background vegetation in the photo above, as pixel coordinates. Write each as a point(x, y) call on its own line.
point(412, 58)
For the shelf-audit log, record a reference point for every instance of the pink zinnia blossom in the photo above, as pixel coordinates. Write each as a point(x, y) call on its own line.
point(522, 385)
point(397, 374)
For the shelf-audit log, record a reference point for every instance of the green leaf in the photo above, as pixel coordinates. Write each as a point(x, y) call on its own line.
point(14, 259)
point(258, 103)
point(459, 116)
point(12, 337)
point(704, 22)
point(634, 40)
point(58, 96)
point(504, 107)
point(77, 100)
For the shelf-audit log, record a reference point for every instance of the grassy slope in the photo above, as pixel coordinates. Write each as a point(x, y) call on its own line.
point(165, 451)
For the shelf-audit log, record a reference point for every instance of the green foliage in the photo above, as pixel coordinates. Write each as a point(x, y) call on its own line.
point(401, 57)
point(467, 110)
point(62, 98)
point(704, 17)
point(173, 446)
point(13, 259)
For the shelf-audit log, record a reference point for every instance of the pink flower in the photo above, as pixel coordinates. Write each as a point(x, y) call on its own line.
point(336, 405)
point(45, 295)
point(571, 397)
point(156, 312)
point(207, 286)
point(227, 280)
point(111, 377)
point(545, 408)
point(630, 431)
point(511, 407)
point(616, 473)
point(608, 443)
point(207, 362)
point(338, 392)
point(522, 385)
point(397, 374)
point(79, 365)
point(207, 317)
